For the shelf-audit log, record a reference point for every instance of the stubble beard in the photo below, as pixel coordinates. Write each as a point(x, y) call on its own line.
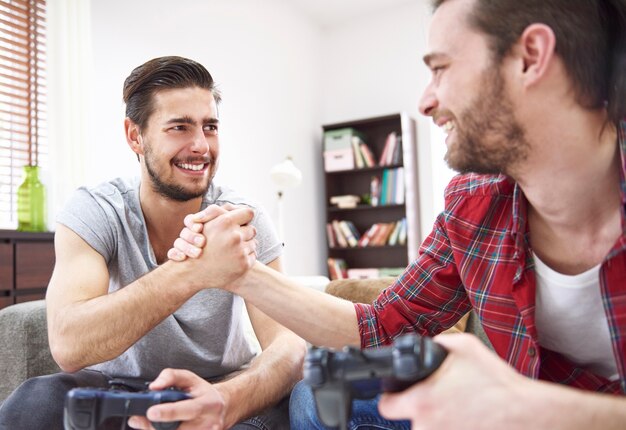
point(489, 138)
point(172, 191)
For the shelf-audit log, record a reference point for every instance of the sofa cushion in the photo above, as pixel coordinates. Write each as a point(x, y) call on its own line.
point(25, 352)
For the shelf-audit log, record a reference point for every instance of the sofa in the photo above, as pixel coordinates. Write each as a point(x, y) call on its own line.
point(24, 351)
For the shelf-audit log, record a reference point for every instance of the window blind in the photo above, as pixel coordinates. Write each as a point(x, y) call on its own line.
point(23, 139)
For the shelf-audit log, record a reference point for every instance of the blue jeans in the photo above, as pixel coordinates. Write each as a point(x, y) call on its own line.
point(38, 404)
point(365, 416)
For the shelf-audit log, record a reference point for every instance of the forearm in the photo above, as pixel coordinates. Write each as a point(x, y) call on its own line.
point(320, 318)
point(558, 407)
point(270, 377)
point(98, 329)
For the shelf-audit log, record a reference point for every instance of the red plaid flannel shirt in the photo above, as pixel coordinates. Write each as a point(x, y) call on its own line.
point(478, 257)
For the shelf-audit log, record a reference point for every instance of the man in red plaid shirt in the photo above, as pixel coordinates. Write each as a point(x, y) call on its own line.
point(531, 95)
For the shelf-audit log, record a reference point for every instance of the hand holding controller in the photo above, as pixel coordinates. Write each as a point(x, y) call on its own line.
point(88, 408)
point(338, 377)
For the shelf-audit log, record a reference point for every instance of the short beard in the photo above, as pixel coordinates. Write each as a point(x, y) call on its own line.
point(490, 140)
point(171, 191)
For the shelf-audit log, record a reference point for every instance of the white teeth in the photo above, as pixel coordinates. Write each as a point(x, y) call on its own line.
point(447, 127)
point(195, 167)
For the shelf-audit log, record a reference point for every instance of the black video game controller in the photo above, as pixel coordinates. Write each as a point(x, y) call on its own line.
point(338, 377)
point(88, 408)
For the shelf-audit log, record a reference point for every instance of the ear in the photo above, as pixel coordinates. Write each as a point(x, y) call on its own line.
point(133, 136)
point(537, 48)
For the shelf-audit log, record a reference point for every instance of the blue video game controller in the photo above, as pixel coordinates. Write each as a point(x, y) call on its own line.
point(88, 408)
point(338, 377)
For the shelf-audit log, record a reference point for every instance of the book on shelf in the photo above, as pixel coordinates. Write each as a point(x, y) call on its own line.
point(392, 187)
point(346, 201)
point(330, 235)
point(403, 233)
point(392, 151)
point(339, 237)
point(358, 155)
point(368, 235)
point(368, 155)
point(367, 273)
point(337, 268)
point(375, 190)
point(395, 233)
point(350, 233)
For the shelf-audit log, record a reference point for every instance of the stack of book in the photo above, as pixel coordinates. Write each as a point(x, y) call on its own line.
point(337, 268)
point(390, 189)
point(392, 151)
point(342, 234)
point(363, 156)
point(380, 234)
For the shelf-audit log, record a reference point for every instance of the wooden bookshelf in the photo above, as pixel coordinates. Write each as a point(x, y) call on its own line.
point(357, 181)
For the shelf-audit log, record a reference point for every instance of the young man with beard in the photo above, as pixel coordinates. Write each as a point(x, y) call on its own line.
point(532, 95)
point(117, 308)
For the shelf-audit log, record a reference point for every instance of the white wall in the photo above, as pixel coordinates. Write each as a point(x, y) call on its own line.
point(265, 57)
point(373, 66)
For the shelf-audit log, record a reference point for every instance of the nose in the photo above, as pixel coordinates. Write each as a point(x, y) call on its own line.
point(428, 102)
point(200, 143)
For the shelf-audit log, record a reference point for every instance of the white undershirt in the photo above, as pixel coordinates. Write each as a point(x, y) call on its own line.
point(570, 319)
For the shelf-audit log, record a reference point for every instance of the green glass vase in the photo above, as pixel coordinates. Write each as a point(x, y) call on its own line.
point(31, 202)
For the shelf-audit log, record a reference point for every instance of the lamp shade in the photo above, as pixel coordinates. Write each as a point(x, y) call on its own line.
point(286, 175)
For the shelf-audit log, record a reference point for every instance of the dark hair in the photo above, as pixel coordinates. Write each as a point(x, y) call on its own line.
point(590, 39)
point(160, 74)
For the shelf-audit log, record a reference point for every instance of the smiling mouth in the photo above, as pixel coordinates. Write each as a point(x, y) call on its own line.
point(447, 127)
point(191, 167)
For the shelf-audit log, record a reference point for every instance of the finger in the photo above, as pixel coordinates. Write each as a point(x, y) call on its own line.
point(179, 378)
point(241, 216)
point(248, 232)
point(186, 410)
point(231, 206)
point(175, 255)
point(140, 423)
point(191, 224)
point(186, 248)
point(207, 214)
point(192, 237)
point(393, 406)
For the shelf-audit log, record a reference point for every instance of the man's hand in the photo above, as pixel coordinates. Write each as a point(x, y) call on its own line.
point(473, 388)
point(221, 242)
point(192, 240)
point(205, 410)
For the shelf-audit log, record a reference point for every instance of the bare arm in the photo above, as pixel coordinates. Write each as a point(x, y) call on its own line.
point(271, 375)
point(86, 325)
point(269, 378)
point(320, 318)
point(476, 389)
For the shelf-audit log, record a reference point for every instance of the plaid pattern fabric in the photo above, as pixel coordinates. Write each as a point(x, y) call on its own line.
point(478, 256)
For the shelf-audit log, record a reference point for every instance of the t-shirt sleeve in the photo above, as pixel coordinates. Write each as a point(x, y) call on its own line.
point(87, 218)
point(269, 247)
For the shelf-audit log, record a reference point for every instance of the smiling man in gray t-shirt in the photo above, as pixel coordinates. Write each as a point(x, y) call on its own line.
point(118, 308)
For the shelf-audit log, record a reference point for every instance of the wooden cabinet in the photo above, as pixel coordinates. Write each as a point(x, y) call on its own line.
point(26, 264)
point(357, 181)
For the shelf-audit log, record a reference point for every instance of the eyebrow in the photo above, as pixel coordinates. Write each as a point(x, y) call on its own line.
point(428, 58)
point(189, 120)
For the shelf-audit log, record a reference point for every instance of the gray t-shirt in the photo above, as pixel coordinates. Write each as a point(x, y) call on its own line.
point(206, 334)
